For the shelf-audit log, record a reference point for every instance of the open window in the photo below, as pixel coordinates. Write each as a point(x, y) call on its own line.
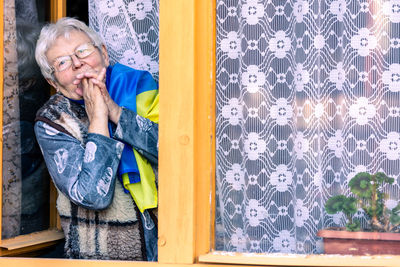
point(29, 219)
point(130, 32)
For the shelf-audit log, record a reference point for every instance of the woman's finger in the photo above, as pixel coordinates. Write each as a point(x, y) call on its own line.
point(85, 85)
point(102, 74)
point(100, 85)
point(99, 76)
point(80, 76)
point(89, 91)
point(87, 75)
point(91, 75)
point(97, 82)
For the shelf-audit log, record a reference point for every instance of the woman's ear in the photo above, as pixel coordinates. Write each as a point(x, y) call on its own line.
point(52, 83)
point(105, 55)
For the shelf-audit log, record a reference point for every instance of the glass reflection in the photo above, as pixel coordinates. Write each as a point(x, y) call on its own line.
point(25, 177)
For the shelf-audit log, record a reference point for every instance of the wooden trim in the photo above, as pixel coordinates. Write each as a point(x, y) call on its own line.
point(213, 123)
point(273, 260)
point(298, 260)
point(29, 240)
point(20, 262)
point(58, 9)
point(204, 122)
point(32, 251)
point(176, 134)
point(30, 244)
point(186, 129)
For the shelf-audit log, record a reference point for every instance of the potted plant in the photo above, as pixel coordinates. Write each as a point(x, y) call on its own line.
point(381, 236)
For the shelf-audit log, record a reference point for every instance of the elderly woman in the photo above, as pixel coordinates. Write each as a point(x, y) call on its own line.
point(101, 124)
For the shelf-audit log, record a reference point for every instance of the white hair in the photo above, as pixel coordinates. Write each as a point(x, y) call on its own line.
point(51, 32)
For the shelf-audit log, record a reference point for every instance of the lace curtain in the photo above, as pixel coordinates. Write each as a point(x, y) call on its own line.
point(130, 31)
point(12, 180)
point(308, 94)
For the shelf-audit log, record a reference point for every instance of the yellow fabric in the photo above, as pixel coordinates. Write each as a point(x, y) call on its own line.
point(144, 193)
point(147, 105)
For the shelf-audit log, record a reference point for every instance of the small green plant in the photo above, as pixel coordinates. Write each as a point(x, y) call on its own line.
point(368, 195)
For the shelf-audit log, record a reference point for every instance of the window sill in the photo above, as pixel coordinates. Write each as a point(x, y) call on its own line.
point(222, 257)
point(31, 242)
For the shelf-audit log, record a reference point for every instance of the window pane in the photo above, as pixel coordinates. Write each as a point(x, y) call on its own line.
point(25, 178)
point(307, 96)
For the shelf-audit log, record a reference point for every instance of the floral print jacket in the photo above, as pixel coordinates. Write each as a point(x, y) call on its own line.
point(87, 173)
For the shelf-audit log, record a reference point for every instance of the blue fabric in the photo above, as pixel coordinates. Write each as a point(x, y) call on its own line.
point(150, 234)
point(124, 84)
point(77, 179)
point(80, 102)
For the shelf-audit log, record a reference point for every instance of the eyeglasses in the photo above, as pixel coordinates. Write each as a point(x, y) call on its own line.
point(64, 62)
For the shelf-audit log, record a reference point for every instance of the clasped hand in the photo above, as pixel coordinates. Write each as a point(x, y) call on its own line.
point(99, 106)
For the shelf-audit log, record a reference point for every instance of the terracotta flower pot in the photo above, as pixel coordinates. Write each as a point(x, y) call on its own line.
point(360, 243)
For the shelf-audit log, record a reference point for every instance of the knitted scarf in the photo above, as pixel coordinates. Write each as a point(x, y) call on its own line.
point(115, 233)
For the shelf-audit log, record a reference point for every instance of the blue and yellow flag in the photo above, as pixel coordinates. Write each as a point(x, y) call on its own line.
point(137, 91)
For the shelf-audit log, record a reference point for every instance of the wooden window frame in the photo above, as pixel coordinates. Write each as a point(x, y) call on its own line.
point(186, 152)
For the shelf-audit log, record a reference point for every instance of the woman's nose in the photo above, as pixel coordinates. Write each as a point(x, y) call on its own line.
point(76, 63)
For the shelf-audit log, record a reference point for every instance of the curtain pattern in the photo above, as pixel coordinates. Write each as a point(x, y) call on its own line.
point(11, 209)
point(130, 31)
point(308, 94)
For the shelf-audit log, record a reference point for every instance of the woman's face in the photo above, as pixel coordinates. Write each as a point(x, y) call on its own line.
point(65, 78)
